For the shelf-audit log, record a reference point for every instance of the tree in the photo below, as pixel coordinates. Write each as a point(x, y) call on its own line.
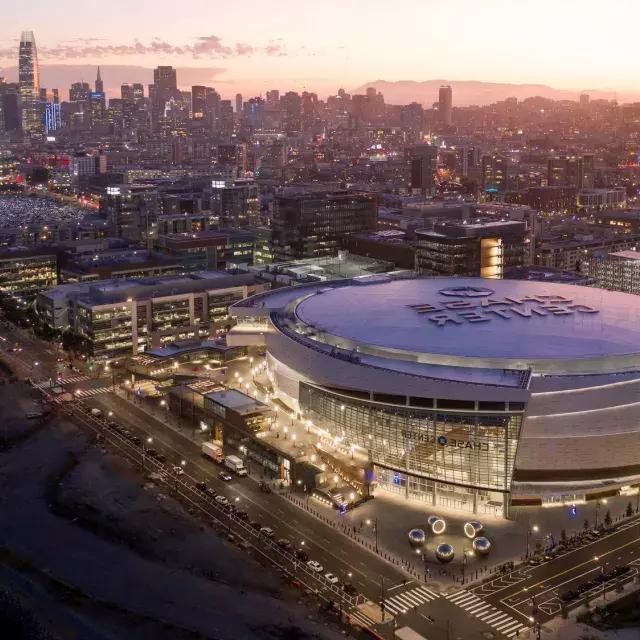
point(629, 511)
point(607, 519)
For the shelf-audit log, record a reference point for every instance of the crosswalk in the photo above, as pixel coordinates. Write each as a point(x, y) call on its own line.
point(87, 393)
point(359, 618)
point(407, 600)
point(495, 618)
point(71, 379)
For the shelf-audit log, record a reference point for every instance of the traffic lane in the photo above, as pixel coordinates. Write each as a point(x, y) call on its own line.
point(571, 562)
point(586, 568)
point(324, 544)
point(587, 571)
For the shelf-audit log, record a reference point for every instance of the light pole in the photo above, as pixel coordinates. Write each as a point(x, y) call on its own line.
point(530, 530)
point(144, 449)
point(602, 572)
point(375, 529)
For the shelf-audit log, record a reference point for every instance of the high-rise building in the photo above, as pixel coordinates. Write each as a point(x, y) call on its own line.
point(484, 248)
point(311, 224)
point(198, 101)
point(99, 84)
point(239, 103)
point(571, 171)
point(164, 89)
point(495, 173)
point(9, 106)
point(445, 105)
point(423, 160)
point(29, 81)
point(79, 91)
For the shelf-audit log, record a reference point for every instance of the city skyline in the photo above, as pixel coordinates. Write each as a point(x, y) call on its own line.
point(250, 48)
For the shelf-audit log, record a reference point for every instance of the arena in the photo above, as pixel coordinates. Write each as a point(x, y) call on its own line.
point(465, 393)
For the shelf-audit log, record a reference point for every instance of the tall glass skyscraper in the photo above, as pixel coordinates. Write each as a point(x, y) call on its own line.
point(29, 80)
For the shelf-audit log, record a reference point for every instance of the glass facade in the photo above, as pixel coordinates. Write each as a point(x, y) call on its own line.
point(456, 458)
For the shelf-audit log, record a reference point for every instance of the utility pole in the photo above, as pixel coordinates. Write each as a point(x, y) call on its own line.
point(382, 596)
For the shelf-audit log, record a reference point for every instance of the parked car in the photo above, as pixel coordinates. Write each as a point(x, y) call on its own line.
point(221, 500)
point(285, 544)
point(315, 566)
point(201, 486)
point(302, 555)
point(330, 577)
point(254, 524)
point(212, 493)
point(267, 531)
point(243, 515)
point(177, 469)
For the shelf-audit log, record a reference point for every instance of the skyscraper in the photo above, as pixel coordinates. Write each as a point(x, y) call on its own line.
point(165, 87)
point(29, 81)
point(99, 83)
point(445, 105)
point(239, 103)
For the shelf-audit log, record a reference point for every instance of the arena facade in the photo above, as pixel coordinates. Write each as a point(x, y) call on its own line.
point(467, 393)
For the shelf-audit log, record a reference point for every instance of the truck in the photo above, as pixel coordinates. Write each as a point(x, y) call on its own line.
point(212, 451)
point(236, 465)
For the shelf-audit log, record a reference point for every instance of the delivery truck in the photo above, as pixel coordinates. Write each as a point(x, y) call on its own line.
point(212, 451)
point(236, 465)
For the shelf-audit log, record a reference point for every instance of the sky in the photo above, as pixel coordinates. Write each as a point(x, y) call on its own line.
point(322, 45)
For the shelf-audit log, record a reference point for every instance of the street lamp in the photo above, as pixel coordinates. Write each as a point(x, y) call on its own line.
point(530, 530)
point(144, 449)
point(602, 567)
point(375, 529)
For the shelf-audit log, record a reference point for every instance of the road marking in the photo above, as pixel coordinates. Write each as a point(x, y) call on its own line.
point(407, 600)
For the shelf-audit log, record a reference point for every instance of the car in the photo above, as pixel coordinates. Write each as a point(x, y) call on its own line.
point(221, 500)
point(285, 544)
point(349, 589)
point(243, 515)
point(137, 441)
point(254, 524)
point(331, 578)
point(302, 555)
point(226, 477)
point(177, 469)
point(201, 486)
point(315, 566)
point(569, 596)
point(267, 531)
point(212, 493)
point(229, 507)
point(152, 453)
point(161, 458)
point(264, 487)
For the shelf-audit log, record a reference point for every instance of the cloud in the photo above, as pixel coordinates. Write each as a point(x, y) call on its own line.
point(210, 47)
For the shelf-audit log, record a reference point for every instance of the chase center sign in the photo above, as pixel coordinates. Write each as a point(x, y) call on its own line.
point(479, 304)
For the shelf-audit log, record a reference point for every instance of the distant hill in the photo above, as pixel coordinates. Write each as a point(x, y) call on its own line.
point(469, 92)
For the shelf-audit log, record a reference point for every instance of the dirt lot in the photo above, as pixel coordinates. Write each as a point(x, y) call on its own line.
point(89, 548)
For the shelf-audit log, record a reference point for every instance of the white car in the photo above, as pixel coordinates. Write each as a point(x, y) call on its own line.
point(331, 578)
point(267, 531)
point(315, 566)
point(178, 470)
point(221, 500)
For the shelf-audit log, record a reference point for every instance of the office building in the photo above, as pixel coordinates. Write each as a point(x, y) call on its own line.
point(495, 172)
point(445, 105)
point(311, 224)
point(29, 82)
point(616, 271)
point(24, 272)
point(236, 203)
point(480, 247)
point(571, 171)
point(121, 317)
point(423, 160)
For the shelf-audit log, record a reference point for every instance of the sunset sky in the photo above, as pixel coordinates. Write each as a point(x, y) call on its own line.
point(576, 44)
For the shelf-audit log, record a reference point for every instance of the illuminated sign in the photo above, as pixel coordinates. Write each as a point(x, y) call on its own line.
point(443, 441)
point(474, 310)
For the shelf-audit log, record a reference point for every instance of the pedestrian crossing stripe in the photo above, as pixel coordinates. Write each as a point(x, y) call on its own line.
point(490, 615)
point(85, 393)
point(361, 619)
point(72, 379)
point(404, 602)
